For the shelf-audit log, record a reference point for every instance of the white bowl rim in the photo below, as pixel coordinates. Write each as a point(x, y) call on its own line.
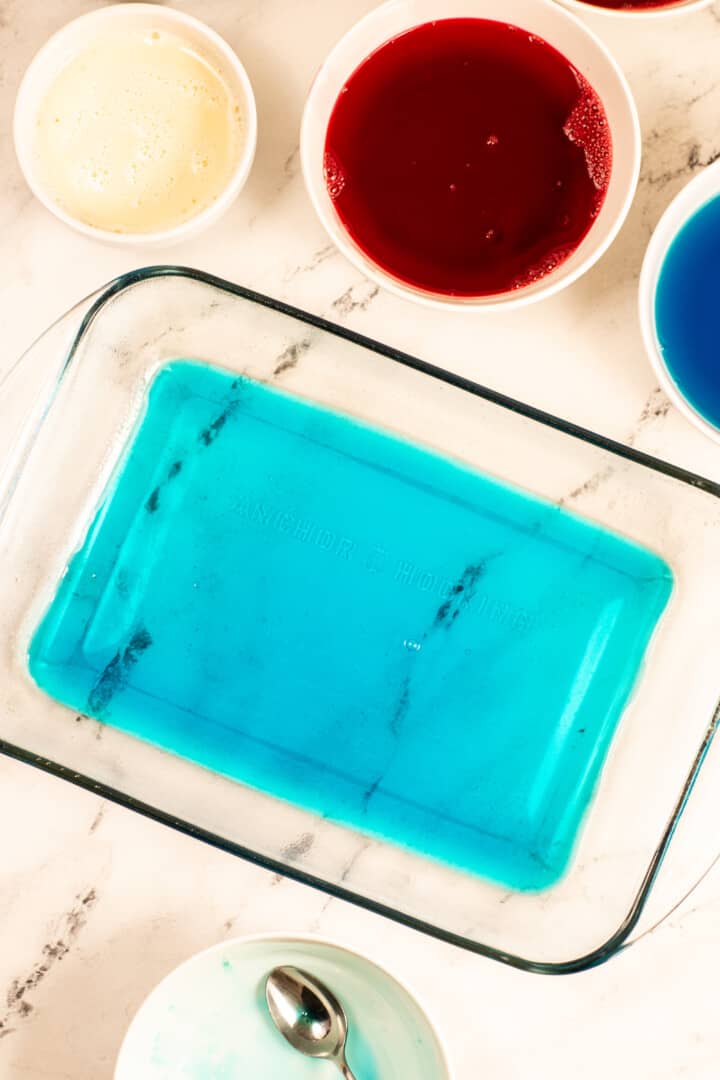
point(246, 158)
point(292, 938)
point(702, 189)
point(555, 281)
point(651, 13)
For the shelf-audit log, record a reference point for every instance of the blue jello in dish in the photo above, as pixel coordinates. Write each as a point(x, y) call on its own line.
point(353, 623)
point(686, 311)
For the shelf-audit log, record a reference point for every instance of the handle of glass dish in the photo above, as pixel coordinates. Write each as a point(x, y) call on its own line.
point(27, 389)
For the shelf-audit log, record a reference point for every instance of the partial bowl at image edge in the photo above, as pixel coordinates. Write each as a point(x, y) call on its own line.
point(666, 11)
point(696, 194)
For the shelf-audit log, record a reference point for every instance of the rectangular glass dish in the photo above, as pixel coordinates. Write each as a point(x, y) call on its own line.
point(353, 617)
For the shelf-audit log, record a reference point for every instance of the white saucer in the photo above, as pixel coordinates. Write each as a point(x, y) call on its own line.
point(208, 1019)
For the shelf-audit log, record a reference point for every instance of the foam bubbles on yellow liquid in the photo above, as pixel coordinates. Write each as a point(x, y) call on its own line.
point(138, 133)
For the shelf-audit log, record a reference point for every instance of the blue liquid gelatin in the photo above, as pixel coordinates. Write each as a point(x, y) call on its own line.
point(687, 311)
point(353, 623)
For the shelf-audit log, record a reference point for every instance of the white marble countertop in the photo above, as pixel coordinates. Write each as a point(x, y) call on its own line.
point(96, 904)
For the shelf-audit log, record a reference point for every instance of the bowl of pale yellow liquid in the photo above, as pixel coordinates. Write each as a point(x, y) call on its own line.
point(136, 124)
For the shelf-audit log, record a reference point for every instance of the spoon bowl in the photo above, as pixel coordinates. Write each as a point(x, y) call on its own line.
point(308, 1015)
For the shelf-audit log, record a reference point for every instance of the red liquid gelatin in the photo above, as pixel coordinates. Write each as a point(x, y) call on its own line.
point(467, 157)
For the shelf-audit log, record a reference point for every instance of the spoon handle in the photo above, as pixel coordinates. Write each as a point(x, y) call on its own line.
point(345, 1069)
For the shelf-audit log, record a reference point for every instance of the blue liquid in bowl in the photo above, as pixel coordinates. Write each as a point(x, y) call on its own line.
point(687, 311)
point(355, 624)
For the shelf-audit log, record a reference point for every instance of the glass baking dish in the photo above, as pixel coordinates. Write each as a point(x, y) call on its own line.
point(354, 495)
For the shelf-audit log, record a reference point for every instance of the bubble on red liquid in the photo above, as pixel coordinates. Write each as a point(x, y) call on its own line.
point(334, 176)
point(542, 268)
point(587, 126)
point(492, 140)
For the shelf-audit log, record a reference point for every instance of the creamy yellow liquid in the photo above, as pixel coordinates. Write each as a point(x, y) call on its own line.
point(138, 133)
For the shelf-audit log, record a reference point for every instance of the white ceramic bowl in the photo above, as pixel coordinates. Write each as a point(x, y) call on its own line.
point(651, 13)
point(209, 1018)
point(699, 191)
point(541, 17)
point(80, 33)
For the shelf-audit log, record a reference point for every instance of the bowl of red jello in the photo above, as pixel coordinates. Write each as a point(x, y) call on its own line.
point(471, 153)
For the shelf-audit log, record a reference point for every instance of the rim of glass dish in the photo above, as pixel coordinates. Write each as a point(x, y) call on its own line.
point(619, 939)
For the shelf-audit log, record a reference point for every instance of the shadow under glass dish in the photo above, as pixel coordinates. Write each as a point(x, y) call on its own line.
point(434, 660)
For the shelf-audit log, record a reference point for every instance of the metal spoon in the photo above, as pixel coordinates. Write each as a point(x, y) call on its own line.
point(308, 1015)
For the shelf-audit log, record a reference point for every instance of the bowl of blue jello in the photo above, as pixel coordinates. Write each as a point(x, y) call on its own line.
point(680, 301)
